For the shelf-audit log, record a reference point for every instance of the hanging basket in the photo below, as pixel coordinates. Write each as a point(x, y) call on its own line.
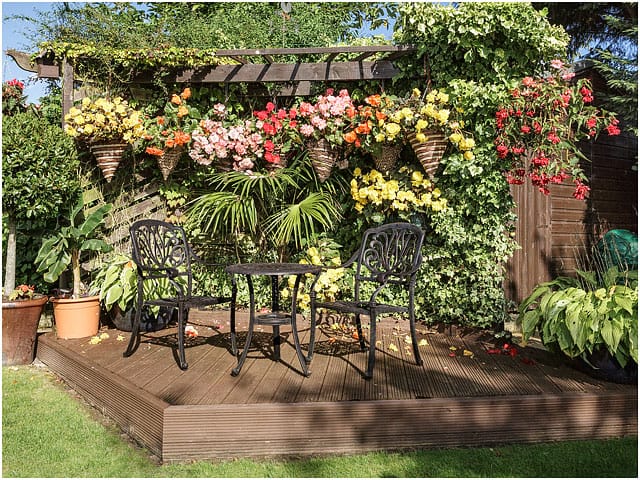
point(108, 156)
point(168, 160)
point(430, 152)
point(386, 159)
point(323, 157)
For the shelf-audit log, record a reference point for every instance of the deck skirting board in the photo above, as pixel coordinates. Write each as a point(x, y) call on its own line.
point(135, 411)
point(229, 431)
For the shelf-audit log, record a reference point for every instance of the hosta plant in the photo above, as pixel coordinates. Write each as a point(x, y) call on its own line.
point(579, 316)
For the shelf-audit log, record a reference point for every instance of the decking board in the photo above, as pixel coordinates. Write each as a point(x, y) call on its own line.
point(271, 409)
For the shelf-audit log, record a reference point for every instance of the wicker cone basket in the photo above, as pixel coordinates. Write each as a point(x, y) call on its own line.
point(108, 156)
point(430, 152)
point(387, 158)
point(168, 160)
point(323, 157)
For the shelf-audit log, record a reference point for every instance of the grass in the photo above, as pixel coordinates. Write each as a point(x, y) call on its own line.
point(48, 432)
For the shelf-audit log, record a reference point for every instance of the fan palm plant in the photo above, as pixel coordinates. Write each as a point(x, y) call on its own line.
point(277, 210)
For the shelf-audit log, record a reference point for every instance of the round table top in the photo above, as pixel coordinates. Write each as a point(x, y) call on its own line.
point(272, 268)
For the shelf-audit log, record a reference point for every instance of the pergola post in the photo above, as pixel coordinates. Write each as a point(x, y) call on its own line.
point(67, 87)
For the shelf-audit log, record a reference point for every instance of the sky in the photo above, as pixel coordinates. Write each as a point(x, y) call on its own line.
point(13, 38)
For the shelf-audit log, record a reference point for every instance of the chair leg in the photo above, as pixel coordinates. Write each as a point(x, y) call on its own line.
point(359, 330)
point(412, 327)
point(134, 341)
point(182, 324)
point(312, 333)
point(232, 316)
point(372, 347)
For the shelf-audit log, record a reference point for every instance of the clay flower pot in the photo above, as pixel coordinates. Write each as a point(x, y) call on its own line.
point(76, 317)
point(20, 320)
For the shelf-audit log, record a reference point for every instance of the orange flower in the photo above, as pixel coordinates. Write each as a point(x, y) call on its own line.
point(181, 138)
point(186, 93)
point(176, 100)
point(381, 116)
point(350, 137)
point(154, 151)
point(373, 100)
point(363, 128)
point(169, 143)
point(160, 120)
point(351, 112)
point(182, 111)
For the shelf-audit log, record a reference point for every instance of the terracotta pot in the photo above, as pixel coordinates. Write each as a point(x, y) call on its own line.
point(76, 317)
point(19, 330)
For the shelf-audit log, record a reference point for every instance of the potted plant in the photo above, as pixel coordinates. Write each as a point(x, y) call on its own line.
point(593, 318)
point(322, 126)
point(539, 128)
point(21, 311)
point(116, 279)
point(169, 134)
point(376, 132)
point(107, 126)
point(428, 122)
point(78, 316)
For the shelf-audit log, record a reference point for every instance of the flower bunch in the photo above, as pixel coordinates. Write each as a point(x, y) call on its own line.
point(22, 292)
point(418, 115)
point(13, 98)
point(374, 124)
point(329, 284)
point(102, 119)
point(405, 191)
point(173, 127)
point(277, 127)
point(328, 118)
point(235, 143)
point(539, 127)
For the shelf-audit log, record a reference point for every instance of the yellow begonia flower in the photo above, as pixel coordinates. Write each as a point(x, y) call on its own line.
point(468, 155)
point(421, 137)
point(455, 137)
point(392, 128)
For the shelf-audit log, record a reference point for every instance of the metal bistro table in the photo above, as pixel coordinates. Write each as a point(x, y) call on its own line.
point(276, 317)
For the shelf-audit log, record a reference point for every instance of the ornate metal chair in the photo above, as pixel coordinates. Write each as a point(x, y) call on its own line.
point(388, 255)
point(162, 254)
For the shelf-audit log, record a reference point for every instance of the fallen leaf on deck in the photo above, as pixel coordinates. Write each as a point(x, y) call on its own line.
point(95, 340)
point(407, 339)
point(468, 353)
point(392, 347)
point(190, 331)
point(423, 343)
point(452, 354)
point(120, 338)
point(453, 349)
point(104, 336)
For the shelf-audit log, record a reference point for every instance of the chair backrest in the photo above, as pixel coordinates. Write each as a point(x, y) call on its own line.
point(390, 253)
point(160, 250)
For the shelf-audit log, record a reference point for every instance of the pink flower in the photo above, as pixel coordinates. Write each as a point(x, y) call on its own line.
point(307, 130)
point(558, 64)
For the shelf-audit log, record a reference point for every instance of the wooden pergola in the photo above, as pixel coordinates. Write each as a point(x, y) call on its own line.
point(316, 64)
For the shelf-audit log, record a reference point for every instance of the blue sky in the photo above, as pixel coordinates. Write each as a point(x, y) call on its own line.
point(13, 37)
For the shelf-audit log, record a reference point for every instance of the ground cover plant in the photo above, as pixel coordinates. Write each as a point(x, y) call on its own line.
point(48, 432)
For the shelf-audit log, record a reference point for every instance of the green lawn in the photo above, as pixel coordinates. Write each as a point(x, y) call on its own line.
point(47, 432)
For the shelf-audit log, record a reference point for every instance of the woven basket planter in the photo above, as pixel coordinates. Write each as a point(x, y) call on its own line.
point(386, 159)
point(430, 152)
point(108, 156)
point(168, 160)
point(323, 158)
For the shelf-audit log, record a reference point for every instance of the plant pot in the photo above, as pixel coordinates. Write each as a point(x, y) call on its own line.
point(601, 365)
point(76, 317)
point(323, 157)
point(19, 330)
point(430, 152)
point(168, 160)
point(148, 322)
point(386, 159)
point(108, 156)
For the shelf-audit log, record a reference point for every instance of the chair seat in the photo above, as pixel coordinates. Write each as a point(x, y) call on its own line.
point(195, 301)
point(361, 308)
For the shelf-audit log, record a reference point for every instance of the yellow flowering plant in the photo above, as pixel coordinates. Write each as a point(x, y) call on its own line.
point(101, 119)
point(329, 286)
point(420, 114)
point(404, 193)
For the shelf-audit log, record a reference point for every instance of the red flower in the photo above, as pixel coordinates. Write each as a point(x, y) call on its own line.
point(580, 191)
point(612, 128)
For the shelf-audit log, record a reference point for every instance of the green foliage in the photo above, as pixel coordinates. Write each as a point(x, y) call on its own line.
point(39, 165)
point(484, 42)
point(64, 248)
point(579, 315)
point(117, 280)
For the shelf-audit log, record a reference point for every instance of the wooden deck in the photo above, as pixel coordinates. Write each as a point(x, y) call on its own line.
point(472, 398)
